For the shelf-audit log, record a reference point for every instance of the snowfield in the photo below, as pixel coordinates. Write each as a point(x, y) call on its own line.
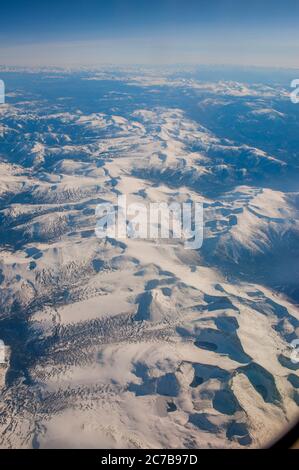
point(129, 343)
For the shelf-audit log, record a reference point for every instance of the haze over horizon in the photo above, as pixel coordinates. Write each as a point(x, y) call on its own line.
point(165, 32)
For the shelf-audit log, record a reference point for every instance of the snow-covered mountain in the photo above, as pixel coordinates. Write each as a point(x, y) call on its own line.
point(128, 343)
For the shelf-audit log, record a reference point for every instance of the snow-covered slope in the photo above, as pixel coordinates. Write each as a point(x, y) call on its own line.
point(129, 343)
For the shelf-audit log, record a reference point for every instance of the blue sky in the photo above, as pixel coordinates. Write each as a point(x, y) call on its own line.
point(93, 32)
